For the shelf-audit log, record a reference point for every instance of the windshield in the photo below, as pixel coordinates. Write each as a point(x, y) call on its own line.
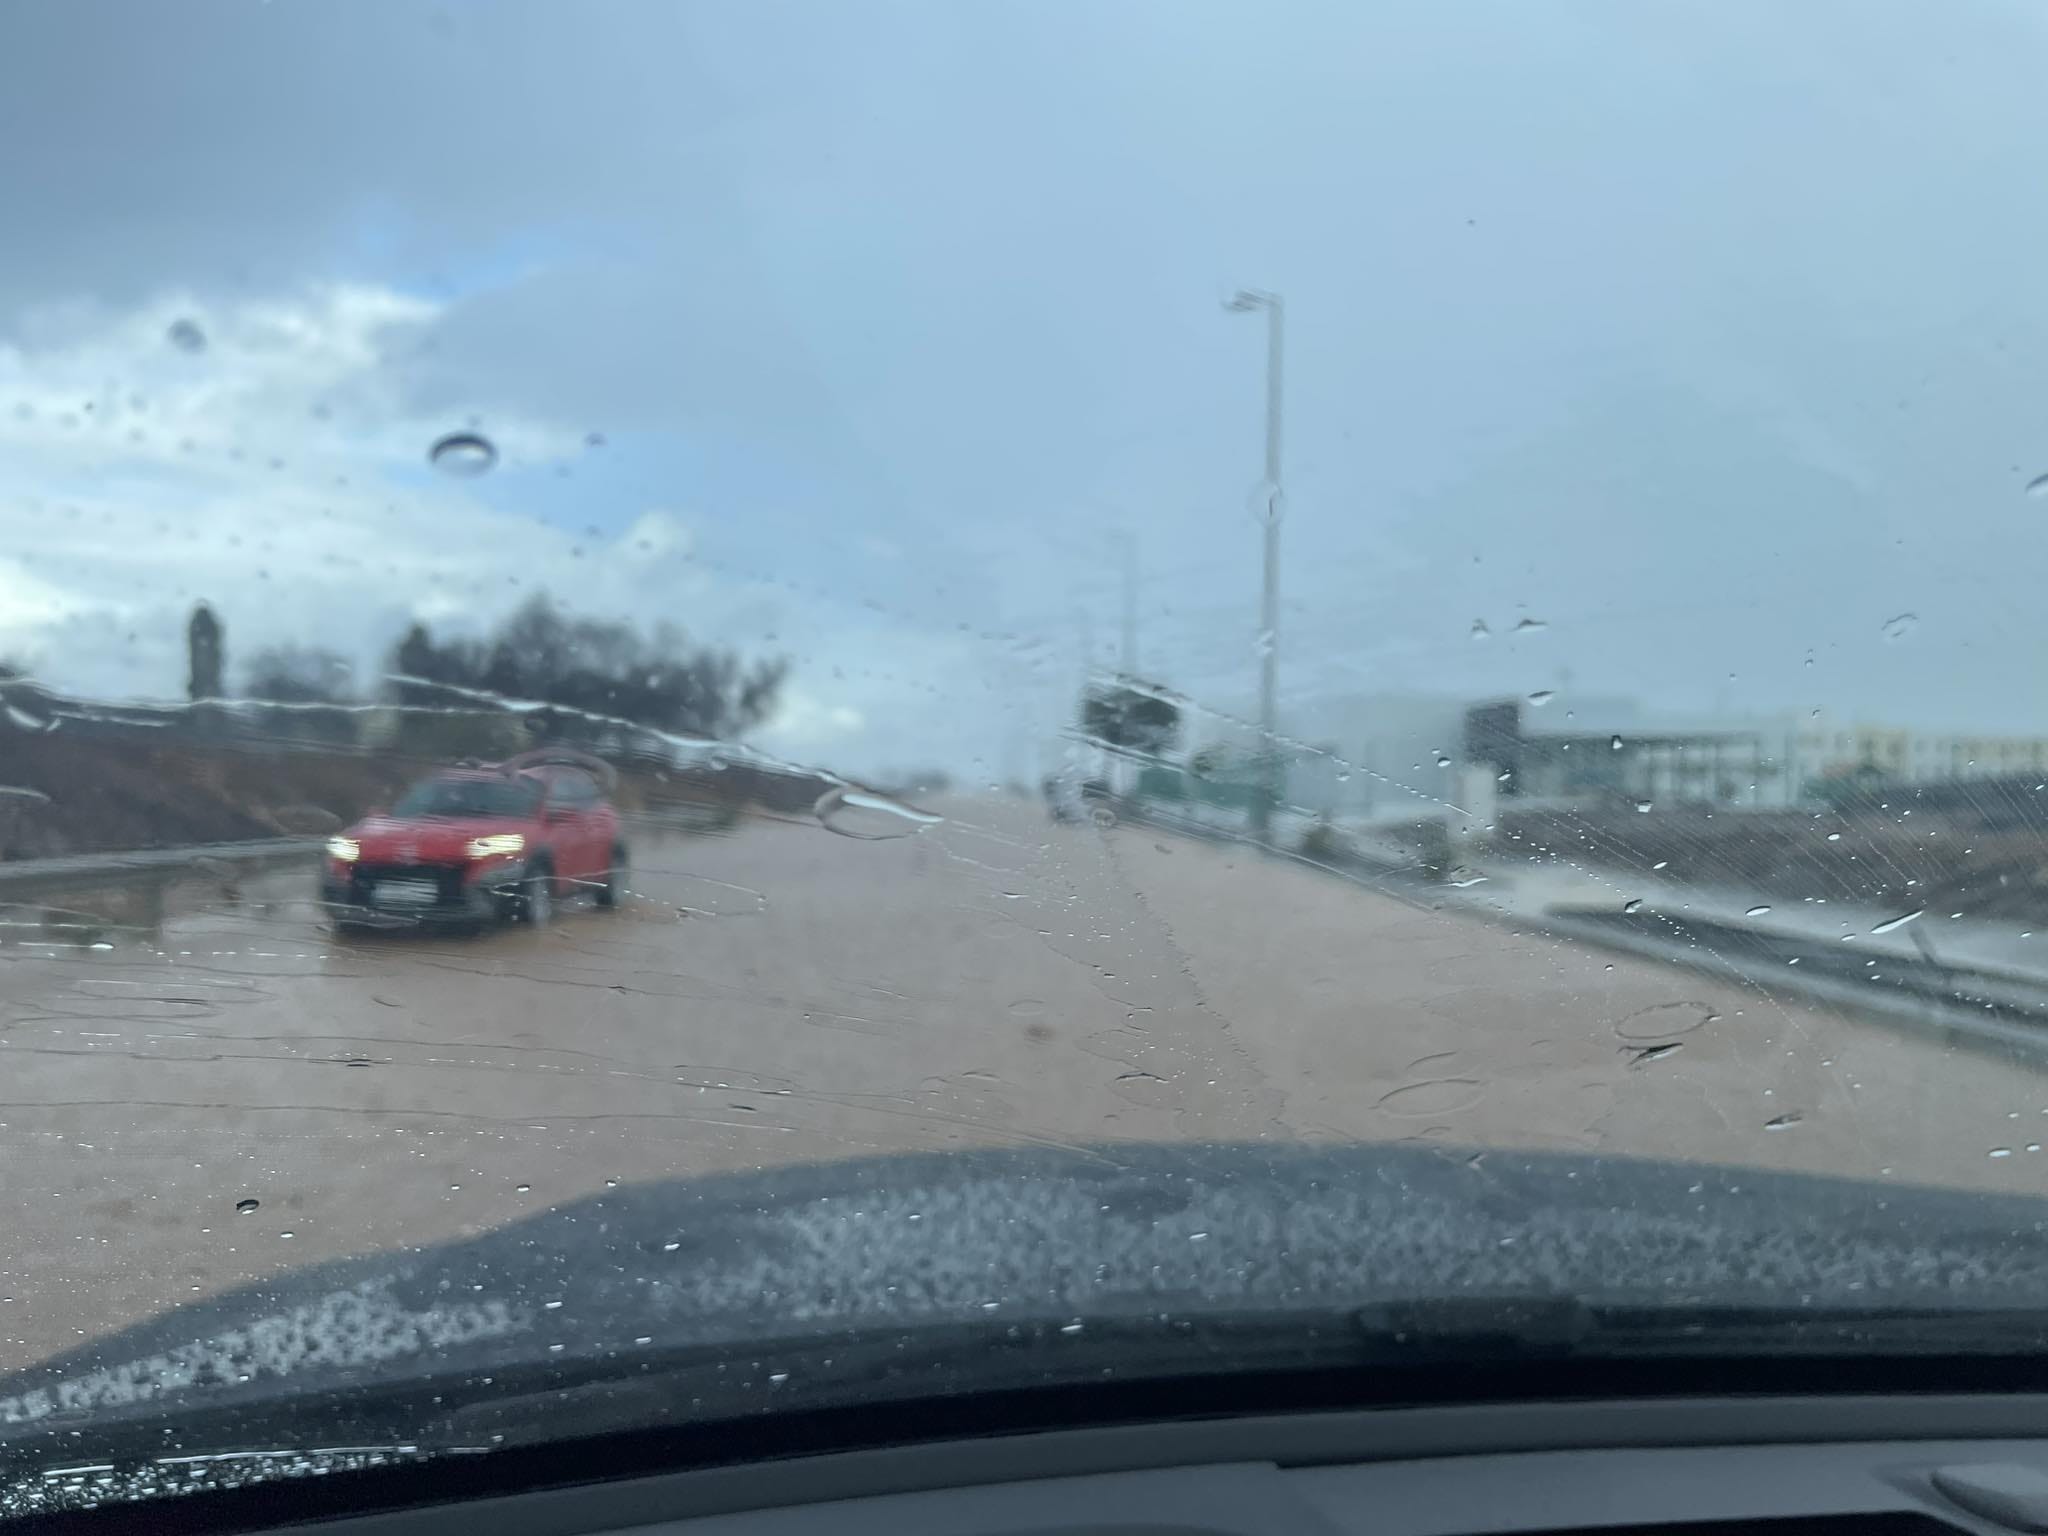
point(469, 797)
point(1154, 623)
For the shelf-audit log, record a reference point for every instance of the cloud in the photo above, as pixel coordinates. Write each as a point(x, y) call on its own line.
point(811, 727)
point(888, 346)
point(275, 466)
point(273, 472)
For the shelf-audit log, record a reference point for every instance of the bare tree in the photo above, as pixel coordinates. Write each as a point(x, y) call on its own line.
point(299, 674)
point(594, 667)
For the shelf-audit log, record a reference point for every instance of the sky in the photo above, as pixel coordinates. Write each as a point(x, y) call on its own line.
point(1713, 337)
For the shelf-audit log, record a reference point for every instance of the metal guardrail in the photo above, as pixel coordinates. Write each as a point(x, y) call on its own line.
point(93, 867)
point(1963, 1004)
point(1966, 1003)
point(1922, 978)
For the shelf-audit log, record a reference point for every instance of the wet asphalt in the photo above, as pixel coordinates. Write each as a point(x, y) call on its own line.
point(203, 1086)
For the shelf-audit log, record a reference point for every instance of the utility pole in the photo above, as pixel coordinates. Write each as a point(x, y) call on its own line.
point(1086, 620)
point(1268, 797)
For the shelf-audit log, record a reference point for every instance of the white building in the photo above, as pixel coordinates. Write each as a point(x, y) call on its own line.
point(1903, 755)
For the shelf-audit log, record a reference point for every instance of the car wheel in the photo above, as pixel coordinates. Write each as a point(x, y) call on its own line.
point(537, 898)
point(608, 894)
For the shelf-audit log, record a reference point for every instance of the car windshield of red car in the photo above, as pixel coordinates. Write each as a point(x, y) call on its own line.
point(469, 797)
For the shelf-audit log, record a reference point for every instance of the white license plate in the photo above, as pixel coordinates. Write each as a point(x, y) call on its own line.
point(407, 893)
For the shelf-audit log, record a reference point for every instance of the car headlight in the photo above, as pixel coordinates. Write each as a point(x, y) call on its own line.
point(497, 845)
point(345, 849)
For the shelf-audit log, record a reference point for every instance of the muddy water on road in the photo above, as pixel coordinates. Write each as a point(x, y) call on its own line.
point(203, 1086)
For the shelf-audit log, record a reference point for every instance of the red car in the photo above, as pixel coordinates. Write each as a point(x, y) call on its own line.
point(480, 844)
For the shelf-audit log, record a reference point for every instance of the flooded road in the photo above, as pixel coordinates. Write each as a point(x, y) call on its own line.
point(203, 1086)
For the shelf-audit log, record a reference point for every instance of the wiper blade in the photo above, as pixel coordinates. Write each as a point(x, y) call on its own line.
point(56, 1489)
point(1565, 1325)
point(703, 1382)
point(510, 1402)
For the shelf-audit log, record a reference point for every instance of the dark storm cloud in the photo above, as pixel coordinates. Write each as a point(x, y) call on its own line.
point(1710, 333)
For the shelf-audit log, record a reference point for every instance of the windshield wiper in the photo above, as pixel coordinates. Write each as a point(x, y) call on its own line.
point(1354, 1351)
point(1368, 1345)
point(1563, 1325)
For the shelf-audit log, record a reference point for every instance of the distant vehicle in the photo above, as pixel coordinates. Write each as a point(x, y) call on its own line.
point(1069, 797)
point(480, 844)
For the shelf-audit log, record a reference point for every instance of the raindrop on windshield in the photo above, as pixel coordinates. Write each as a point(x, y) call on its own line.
point(1615, 744)
point(1633, 904)
point(186, 336)
point(1756, 911)
point(465, 454)
point(1898, 922)
point(1531, 626)
point(1645, 806)
point(1480, 631)
point(1999, 1152)
point(2038, 486)
point(1541, 697)
point(1901, 625)
point(1661, 1022)
point(1784, 1122)
point(246, 1207)
point(856, 813)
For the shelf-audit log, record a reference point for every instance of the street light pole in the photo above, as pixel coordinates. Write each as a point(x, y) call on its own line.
point(1129, 543)
point(1268, 797)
